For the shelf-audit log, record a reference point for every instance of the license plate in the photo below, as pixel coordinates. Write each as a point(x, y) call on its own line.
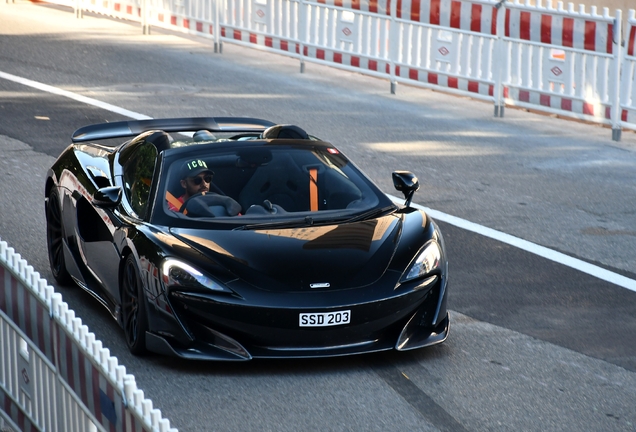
point(324, 319)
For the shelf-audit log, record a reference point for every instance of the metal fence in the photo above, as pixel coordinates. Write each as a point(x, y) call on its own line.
point(55, 376)
point(558, 60)
point(628, 76)
point(564, 62)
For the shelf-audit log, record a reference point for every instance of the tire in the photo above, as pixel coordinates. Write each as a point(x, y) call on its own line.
point(133, 306)
point(55, 239)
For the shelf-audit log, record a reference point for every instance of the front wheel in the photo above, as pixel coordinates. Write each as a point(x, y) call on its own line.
point(55, 239)
point(133, 305)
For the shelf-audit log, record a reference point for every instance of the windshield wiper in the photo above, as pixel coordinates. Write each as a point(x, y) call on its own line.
point(370, 214)
point(291, 223)
point(308, 221)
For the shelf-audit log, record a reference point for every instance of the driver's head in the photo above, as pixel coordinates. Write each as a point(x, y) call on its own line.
point(195, 177)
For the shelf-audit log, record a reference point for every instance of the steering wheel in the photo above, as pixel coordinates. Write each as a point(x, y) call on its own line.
point(267, 208)
point(206, 204)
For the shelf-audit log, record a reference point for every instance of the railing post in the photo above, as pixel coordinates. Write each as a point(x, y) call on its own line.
point(218, 45)
point(498, 59)
point(394, 46)
point(145, 27)
point(302, 33)
point(79, 12)
point(617, 44)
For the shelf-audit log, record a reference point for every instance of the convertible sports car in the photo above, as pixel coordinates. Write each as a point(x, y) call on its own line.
point(237, 238)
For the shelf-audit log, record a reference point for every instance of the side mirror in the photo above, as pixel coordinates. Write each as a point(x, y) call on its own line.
point(107, 197)
point(407, 183)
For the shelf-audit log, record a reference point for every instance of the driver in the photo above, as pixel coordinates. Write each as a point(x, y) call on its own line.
point(195, 178)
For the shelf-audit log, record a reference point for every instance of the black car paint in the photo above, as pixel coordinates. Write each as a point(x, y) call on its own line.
point(259, 316)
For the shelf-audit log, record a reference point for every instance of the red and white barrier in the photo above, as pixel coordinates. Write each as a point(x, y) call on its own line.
point(129, 10)
point(248, 38)
point(628, 76)
point(381, 7)
point(355, 39)
point(54, 374)
point(271, 25)
point(447, 45)
point(562, 61)
point(558, 27)
point(566, 62)
point(470, 16)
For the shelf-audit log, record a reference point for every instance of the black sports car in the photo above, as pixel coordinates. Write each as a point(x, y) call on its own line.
point(234, 238)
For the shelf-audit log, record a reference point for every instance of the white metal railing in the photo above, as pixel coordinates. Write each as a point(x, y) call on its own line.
point(448, 44)
point(563, 61)
point(269, 24)
point(355, 39)
point(54, 374)
point(628, 77)
point(546, 58)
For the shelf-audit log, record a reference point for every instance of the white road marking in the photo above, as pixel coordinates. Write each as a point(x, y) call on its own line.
point(89, 101)
point(544, 252)
point(525, 245)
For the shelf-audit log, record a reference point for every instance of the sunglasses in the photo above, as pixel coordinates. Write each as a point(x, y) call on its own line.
point(198, 180)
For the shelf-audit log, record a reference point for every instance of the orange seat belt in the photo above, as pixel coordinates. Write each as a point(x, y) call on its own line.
point(174, 201)
point(313, 189)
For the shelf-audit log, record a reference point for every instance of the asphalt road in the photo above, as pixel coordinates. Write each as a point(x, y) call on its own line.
point(534, 345)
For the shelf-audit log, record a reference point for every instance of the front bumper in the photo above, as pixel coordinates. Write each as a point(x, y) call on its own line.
point(235, 332)
point(225, 349)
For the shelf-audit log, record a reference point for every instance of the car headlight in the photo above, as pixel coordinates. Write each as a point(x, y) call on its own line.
point(429, 259)
point(180, 274)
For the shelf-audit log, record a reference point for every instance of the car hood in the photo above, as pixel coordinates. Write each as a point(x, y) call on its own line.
point(330, 257)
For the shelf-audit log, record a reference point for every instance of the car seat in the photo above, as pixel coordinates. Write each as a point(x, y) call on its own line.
point(285, 132)
point(340, 190)
point(282, 182)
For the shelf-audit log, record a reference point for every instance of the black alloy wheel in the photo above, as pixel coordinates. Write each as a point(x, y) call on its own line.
point(55, 239)
point(133, 307)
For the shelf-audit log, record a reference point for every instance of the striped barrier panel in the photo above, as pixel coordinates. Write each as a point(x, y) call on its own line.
point(562, 61)
point(350, 34)
point(54, 375)
point(129, 10)
point(428, 42)
point(268, 24)
point(559, 61)
point(628, 75)
point(272, 25)
point(192, 17)
point(449, 45)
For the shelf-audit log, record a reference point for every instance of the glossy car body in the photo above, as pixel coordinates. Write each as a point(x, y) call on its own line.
point(293, 252)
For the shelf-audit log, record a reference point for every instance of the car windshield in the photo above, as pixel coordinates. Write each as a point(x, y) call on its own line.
point(248, 185)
